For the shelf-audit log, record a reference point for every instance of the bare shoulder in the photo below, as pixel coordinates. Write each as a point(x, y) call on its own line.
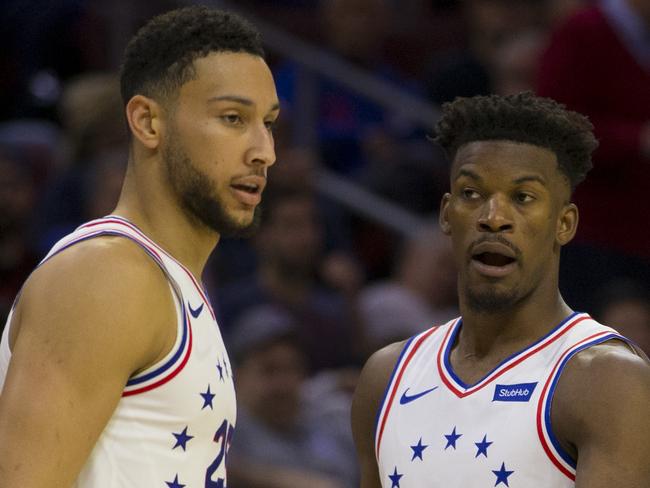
point(86, 320)
point(608, 366)
point(375, 376)
point(365, 405)
point(97, 291)
point(604, 393)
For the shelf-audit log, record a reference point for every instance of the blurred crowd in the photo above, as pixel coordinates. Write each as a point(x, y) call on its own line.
point(320, 287)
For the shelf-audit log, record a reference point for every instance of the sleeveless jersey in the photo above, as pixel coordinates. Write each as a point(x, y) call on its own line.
point(435, 431)
point(173, 425)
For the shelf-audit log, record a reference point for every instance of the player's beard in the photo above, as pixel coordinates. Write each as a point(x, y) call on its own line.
point(197, 195)
point(492, 301)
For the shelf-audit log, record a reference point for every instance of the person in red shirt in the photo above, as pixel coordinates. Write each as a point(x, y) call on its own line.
point(598, 63)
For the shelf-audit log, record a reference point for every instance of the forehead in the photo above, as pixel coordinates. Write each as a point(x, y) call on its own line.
point(239, 75)
point(507, 160)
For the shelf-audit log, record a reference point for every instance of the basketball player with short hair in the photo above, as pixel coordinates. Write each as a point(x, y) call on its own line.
point(114, 370)
point(520, 391)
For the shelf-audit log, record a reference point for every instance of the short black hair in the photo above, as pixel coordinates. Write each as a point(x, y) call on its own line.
point(159, 58)
point(524, 118)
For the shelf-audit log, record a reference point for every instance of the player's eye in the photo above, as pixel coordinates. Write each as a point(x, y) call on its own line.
point(232, 119)
point(524, 197)
point(470, 194)
point(270, 125)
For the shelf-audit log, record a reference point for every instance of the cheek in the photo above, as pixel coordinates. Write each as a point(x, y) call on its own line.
point(206, 144)
point(541, 241)
point(459, 218)
point(538, 225)
point(462, 225)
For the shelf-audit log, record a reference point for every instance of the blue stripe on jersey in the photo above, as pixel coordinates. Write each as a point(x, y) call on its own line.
point(136, 380)
point(549, 399)
point(137, 229)
point(168, 364)
point(69, 244)
point(390, 382)
point(454, 333)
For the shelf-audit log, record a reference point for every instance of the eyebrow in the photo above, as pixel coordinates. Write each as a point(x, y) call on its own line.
point(242, 100)
point(469, 174)
point(527, 178)
point(518, 181)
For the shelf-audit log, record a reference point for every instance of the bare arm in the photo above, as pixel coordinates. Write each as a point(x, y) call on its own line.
point(85, 322)
point(601, 413)
point(365, 404)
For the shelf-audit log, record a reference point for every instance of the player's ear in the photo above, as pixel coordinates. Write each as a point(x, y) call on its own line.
point(443, 216)
point(144, 116)
point(567, 224)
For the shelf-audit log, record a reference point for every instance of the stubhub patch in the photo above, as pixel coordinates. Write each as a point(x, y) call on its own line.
point(514, 393)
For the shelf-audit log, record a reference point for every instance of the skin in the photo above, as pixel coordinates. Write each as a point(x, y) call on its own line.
point(516, 191)
point(73, 351)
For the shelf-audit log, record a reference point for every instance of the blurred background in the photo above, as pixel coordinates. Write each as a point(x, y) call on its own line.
point(348, 257)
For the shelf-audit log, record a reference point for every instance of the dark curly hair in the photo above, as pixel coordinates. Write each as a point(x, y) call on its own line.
point(159, 58)
point(522, 118)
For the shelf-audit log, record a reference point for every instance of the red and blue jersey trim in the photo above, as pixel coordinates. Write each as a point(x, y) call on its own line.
point(394, 382)
point(158, 375)
point(461, 389)
point(120, 221)
point(552, 447)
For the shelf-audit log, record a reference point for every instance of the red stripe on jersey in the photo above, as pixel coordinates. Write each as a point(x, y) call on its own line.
point(499, 372)
point(171, 375)
point(397, 381)
point(129, 225)
point(542, 399)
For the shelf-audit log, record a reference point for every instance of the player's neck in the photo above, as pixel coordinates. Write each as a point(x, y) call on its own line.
point(161, 219)
point(483, 332)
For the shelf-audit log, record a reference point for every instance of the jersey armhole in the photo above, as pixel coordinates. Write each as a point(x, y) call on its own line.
point(562, 460)
point(411, 347)
point(391, 379)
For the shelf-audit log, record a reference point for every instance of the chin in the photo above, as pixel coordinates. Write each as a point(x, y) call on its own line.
point(491, 299)
point(238, 225)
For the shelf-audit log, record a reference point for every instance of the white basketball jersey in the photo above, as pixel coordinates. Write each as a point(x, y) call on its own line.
point(173, 425)
point(435, 431)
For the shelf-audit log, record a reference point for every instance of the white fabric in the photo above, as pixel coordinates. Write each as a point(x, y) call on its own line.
point(147, 441)
point(494, 433)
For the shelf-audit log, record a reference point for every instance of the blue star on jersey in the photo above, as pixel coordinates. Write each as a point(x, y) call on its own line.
point(452, 438)
point(394, 478)
point(418, 449)
point(175, 483)
point(207, 399)
point(482, 446)
point(502, 475)
point(182, 438)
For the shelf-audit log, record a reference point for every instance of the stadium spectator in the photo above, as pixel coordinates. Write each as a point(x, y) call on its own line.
point(279, 443)
point(598, 63)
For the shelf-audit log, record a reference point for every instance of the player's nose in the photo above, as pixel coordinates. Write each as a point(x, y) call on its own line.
point(496, 215)
point(262, 146)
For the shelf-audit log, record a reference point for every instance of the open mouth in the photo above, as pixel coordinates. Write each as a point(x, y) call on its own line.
point(493, 259)
point(247, 187)
point(249, 193)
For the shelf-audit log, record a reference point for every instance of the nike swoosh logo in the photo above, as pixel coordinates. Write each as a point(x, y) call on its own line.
point(409, 398)
point(197, 312)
